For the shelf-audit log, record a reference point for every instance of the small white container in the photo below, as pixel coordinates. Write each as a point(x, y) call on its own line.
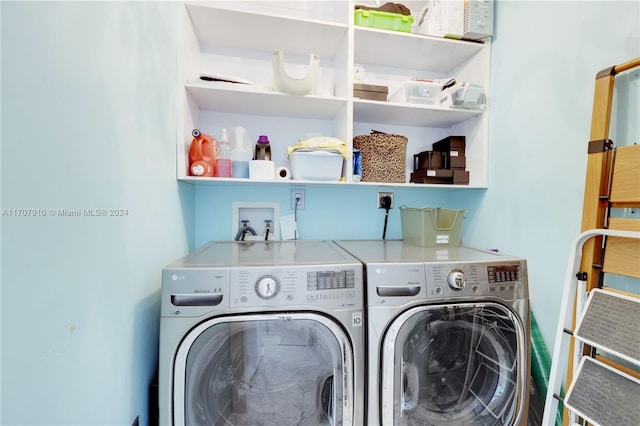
point(262, 170)
point(418, 92)
point(317, 164)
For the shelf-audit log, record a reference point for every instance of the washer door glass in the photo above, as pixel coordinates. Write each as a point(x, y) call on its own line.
point(454, 365)
point(264, 370)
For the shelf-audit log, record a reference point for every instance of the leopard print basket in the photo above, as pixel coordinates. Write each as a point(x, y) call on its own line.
point(383, 157)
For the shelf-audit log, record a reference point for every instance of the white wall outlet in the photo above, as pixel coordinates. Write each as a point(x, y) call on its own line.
point(297, 197)
point(261, 218)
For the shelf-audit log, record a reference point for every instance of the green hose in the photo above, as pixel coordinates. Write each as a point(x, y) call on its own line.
point(540, 359)
point(541, 364)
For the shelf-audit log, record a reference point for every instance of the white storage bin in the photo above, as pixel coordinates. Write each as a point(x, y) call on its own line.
point(418, 92)
point(316, 164)
point(464, 95)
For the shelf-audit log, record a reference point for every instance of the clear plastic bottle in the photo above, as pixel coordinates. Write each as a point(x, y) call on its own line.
point(241, 154)
point(223, 162)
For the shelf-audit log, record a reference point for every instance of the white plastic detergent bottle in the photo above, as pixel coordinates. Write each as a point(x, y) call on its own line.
point(241, 154)
point(223, 162)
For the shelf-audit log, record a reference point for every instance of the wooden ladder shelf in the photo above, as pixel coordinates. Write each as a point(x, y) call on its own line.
point(597, 348)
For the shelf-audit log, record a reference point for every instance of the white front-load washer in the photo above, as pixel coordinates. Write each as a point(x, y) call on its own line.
point(447, 335)
point(262, 333)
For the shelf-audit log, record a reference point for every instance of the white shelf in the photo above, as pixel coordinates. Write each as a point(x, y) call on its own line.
point(213, 181)
point(241, 99)
point(242, 30)
point(409, 114)
point(238, 35)
point(412, 51)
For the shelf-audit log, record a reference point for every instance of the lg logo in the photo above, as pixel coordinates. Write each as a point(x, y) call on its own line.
point(176, 277)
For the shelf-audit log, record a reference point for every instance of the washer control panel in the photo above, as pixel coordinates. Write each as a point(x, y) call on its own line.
point(501, 280)
point(337, 287)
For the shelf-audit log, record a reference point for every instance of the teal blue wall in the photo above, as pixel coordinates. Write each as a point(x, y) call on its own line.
point(88, 122)
point(330, 212)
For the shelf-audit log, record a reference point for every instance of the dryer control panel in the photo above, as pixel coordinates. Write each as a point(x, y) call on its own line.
point(500, 280)
point(196, 291)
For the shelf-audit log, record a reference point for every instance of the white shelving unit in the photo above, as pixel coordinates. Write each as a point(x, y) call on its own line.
point(238, 38)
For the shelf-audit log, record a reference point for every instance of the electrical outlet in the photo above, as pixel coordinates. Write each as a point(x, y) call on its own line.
point(384, 194)
point(297, 196)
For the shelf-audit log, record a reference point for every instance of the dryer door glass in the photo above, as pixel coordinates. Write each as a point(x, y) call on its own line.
point(454, 365)
point(264, 370)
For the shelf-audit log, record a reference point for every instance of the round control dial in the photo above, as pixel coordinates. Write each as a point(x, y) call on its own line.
point(456, 279)
point(267, 287)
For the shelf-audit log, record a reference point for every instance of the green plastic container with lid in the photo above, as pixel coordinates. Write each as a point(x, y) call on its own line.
point(383, 20)
point(432, 227)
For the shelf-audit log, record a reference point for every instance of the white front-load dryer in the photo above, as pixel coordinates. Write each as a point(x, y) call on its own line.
point(262, 333)
point(447, 335)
